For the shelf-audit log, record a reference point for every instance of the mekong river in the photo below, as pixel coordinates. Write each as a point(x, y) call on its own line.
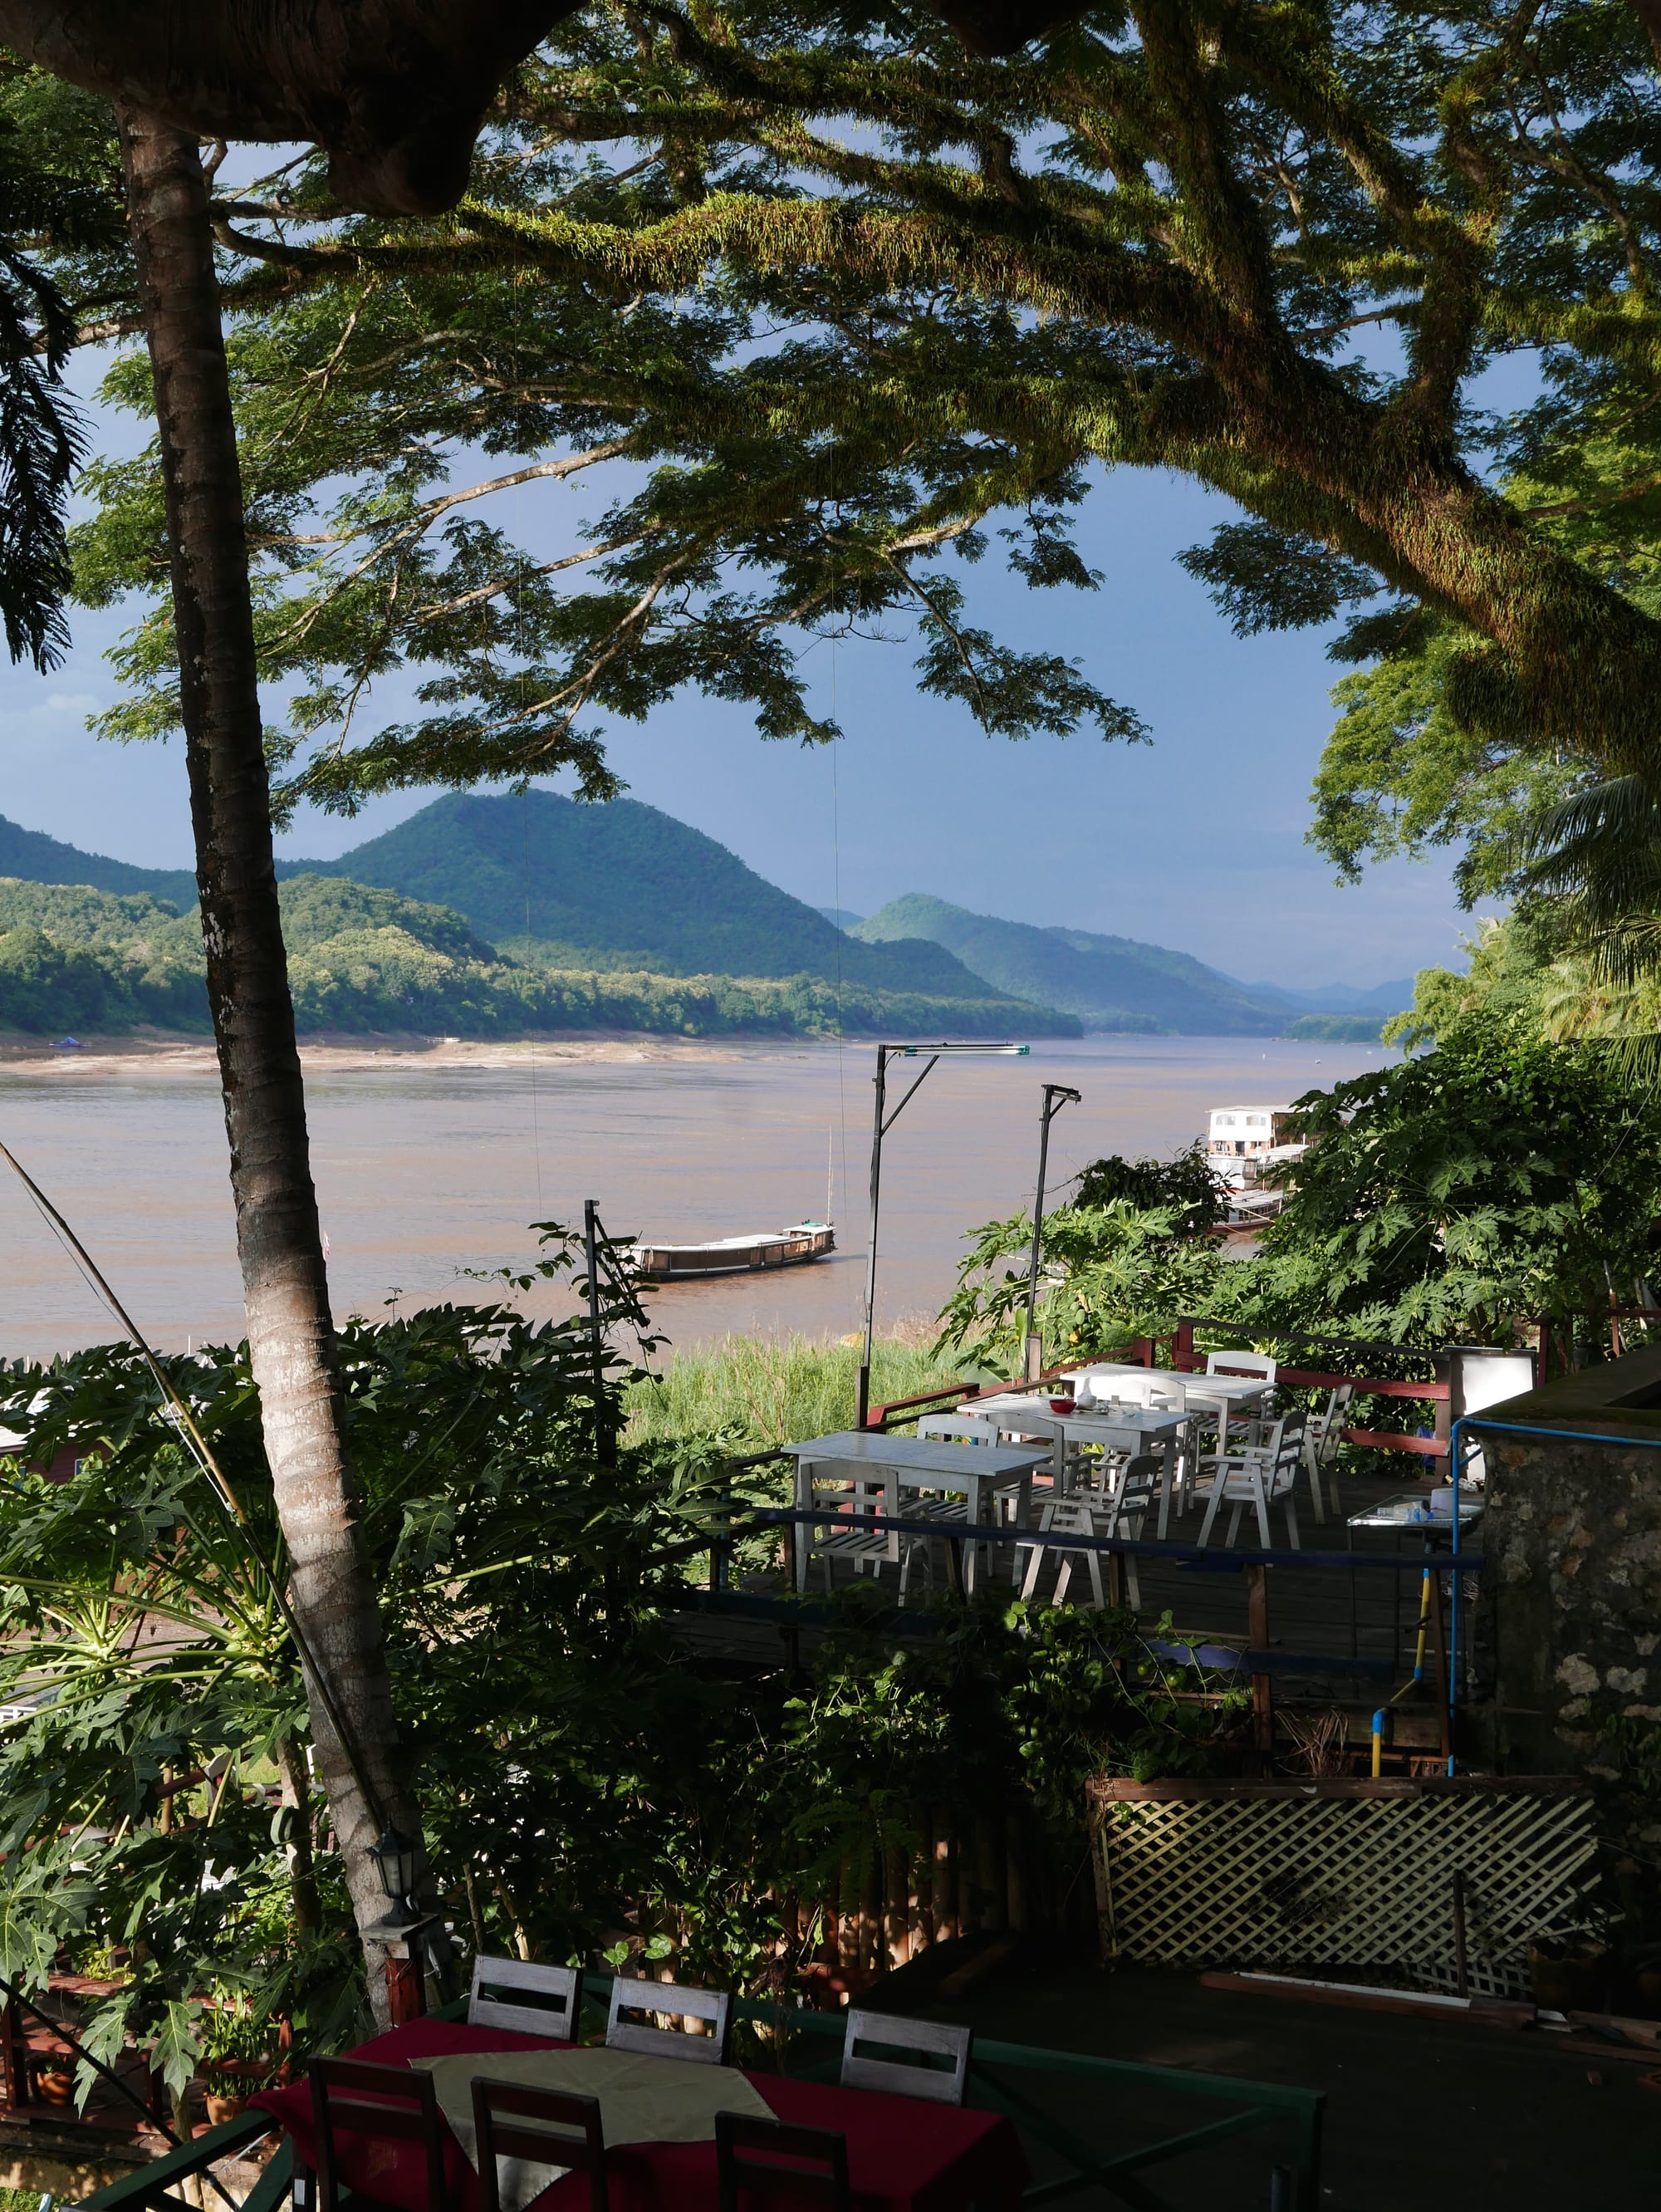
point(431, 1163)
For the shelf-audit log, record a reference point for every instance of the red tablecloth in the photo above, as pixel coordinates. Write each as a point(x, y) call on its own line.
point(905, 2155)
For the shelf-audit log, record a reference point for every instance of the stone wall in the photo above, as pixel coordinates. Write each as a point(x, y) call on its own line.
point(1567, 1648)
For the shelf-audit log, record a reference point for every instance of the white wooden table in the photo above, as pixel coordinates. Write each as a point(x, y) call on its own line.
point(1133, 1429)
point(1221, 1395)
point(978, 1474)
point(1223, 1392)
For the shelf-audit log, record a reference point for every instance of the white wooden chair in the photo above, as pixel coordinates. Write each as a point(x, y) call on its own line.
point(1160, 1395)
point(846, 1532)
point(1126, 1489)
point(941, 2085)
point(562, 1986)
point(965, 1428)
point(1242, 1362)
point(1323, 1434)
point(1135, 1495)
point(1080, 1513)
point(1258, 1475)
point(634, 1993)
point(1247, 1425)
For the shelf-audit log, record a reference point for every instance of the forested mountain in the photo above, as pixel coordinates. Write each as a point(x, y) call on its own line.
point(624, 885)
point(35, 858)
point(364, 958)
point(1109, 982)
point(538, 882)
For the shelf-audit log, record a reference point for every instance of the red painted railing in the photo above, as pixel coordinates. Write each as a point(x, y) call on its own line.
point(1144, 1352)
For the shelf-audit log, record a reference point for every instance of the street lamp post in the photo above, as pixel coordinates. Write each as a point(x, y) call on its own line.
point(883, 1121)
point(1056, 1095)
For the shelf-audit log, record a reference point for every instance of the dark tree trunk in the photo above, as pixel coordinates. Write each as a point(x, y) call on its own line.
point(396, 90)
point(1648, 13)
point(285, 1291)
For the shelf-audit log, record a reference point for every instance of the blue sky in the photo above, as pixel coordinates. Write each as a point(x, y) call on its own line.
point(1197, 841)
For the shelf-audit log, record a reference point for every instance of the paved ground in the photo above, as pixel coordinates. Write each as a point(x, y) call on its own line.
point(1418, 2115)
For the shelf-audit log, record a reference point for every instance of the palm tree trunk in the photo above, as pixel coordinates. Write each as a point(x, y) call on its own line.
point(285, 1290)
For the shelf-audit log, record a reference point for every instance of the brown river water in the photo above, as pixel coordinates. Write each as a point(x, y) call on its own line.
point(430, 1163)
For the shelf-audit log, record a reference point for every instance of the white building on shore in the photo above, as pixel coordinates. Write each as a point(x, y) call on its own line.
point(1247, 1145)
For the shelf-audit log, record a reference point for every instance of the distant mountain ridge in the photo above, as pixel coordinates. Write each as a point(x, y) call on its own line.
point(625, 885)
point(627, 890)
point(1383, 998)
point(32, 856)
point(636, 922)
point(365, 959)
point(1109, 982)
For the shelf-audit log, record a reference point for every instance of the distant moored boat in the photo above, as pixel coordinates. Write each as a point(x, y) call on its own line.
point(732, 1255)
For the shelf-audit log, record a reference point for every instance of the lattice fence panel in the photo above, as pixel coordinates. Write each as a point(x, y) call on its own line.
point(1358, 1884)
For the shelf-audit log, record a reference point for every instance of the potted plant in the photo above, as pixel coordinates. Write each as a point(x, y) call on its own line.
point(235, 2058)
point(54, 2078)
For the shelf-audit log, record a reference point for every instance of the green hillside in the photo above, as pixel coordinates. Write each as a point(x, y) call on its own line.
point(1337, 1028)
point(28, 854)
point(362, 958)
point(624, 886)
point(1109, 982)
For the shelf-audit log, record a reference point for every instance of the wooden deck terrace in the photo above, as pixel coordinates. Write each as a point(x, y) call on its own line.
point(1331, 1627)
point(1338, 1628)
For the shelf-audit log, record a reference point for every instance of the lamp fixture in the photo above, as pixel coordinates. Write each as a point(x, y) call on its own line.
point(883, 1122)
point(1056, 1095)
point(394, 1856)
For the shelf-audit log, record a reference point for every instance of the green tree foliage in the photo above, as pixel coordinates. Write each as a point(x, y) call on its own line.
point(1466, 1193)
point(1401, 776)
point(770, 491)
point(1185, 1182)
point(1406, 769)
point(1110, 1272)
point(585, 1775)
point(1460, 1196)
point(57, 222)
point(848, 302)
point(1513, 974)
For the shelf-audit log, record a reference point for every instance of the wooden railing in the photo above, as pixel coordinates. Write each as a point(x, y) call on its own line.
point(152, 2188)
point(1178, 1351)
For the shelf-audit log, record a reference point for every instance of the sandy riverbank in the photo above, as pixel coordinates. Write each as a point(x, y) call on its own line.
point(331, 1055)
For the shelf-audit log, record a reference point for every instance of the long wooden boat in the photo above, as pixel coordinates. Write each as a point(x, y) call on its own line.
point(732, 1255)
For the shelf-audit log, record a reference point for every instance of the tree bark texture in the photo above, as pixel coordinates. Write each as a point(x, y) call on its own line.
point(1571, 661)
point(1558, 656)
point(394, 90)
point(285, 1290)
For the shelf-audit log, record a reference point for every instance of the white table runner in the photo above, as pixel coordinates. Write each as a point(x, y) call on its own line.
point(642, 2099)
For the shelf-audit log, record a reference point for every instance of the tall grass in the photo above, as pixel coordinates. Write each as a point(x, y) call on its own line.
point(757, 1391)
